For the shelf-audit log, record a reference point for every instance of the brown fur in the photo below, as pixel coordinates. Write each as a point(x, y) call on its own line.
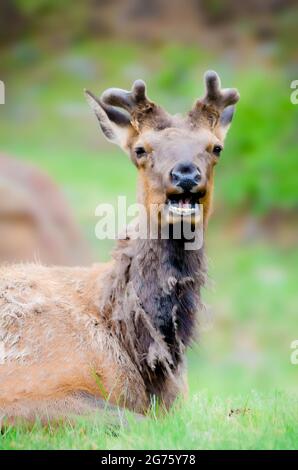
point(35, 220)
point(117, 332)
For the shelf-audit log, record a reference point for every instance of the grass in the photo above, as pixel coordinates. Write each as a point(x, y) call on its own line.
point(205, 422)
point(242, 360)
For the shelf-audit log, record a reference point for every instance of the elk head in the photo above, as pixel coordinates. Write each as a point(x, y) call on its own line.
point(174, 155)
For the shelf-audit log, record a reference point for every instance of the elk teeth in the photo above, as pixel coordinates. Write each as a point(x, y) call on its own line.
point(183, 210)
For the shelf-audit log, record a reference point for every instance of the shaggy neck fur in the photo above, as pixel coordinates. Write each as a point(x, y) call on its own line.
point(167, 279)
point(154, 298)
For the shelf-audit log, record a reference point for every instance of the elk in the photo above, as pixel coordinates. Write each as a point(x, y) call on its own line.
point(35, 220)
point(74, 339)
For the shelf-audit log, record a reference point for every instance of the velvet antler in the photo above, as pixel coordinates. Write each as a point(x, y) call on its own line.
point(216, 96)
point(140, 108)
point(218, 103)
point(128, 100)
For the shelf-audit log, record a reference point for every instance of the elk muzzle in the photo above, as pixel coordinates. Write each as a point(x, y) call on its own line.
point(185, 175)
point(186, 188)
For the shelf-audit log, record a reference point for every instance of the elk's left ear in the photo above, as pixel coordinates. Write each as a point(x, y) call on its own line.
point(115, 124)
point(226, 118)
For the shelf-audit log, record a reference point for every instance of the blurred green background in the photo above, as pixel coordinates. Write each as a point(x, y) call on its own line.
point(51, 50)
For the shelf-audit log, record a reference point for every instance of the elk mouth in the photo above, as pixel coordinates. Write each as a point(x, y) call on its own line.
point(185, 205)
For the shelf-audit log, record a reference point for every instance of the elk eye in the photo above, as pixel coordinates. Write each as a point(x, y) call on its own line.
point(140, 152)
point(217, 150)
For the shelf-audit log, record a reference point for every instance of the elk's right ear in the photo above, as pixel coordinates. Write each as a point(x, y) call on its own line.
point(115, 124)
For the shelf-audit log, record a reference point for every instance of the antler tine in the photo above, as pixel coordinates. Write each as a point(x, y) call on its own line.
point(139, 91)
point(126, 99)
point(217, 96)
point(141, 110)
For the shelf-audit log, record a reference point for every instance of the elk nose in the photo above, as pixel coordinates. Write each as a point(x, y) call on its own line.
point(186, 175)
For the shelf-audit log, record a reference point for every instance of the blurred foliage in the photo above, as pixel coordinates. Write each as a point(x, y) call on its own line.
point(261, 166)
point(37, 6)
point(211, 22)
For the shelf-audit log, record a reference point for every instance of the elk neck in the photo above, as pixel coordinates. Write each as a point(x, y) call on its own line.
point(167, 279)
point(151, 302)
